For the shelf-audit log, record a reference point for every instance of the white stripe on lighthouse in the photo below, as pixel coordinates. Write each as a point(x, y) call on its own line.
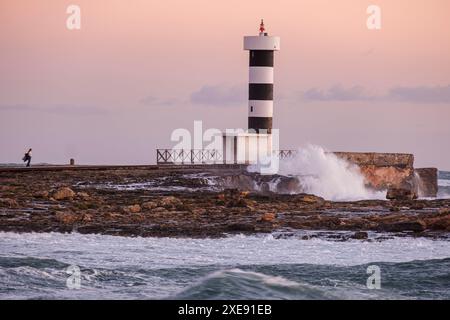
point(261, 75)
point(260, 108)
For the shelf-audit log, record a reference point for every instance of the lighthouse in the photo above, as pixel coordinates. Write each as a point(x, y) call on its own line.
point(260, 89)
point(259, 141)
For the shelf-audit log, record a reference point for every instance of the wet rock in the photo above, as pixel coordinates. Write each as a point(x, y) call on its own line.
point(198, 211)
point(265, 187)
point(268, 217)
point(64, 193)
point(360, 235)
point(199, 214)
point(66, 217)
point(288, 184)
point(428, 181)
point(170, 202)
point(41, 194)
point(160, 210)
point(233, 198)
point(416, 226)
point(135, 208)
point(86, 217)
point(241, 227)
point(417, 206)
point(309, 198)
point(241, 182)
point(441, 223)
point(9, 203)
point(83, 195)
point(406, 190)
point(149, 205)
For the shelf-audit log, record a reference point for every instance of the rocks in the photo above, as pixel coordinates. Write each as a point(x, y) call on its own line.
point(268, 217)
point(159, 210)
point(169, 202)
point(64, 193)
point(201, 213)
point(241, 182)
point(428, 181)
point(415, 226)
point(86, 217)
point(441, 223)
point(198, 211)
point(241, 227)
point(360, 235)
point(66, 218)
point(83, 195)
point(9, 203)
point(149, 205)
point(406, 190)
point(232, 198)
point(41, 194)
point(400, 194)
point(135, 208)
point(288, 185)
point(309, 199)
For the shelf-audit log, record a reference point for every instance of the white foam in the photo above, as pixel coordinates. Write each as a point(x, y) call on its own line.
point(324, 174)
point(98, 251)
point(443, 183)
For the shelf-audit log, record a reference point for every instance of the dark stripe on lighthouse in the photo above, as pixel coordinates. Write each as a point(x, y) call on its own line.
point(260, 124)
point(260, 91)
point(261, 58)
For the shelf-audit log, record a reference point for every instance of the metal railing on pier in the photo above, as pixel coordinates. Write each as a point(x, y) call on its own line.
point(202, 156)
point(170, 156)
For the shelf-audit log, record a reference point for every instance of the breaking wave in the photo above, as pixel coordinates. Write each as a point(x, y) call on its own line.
point(238, 284)
point(324, 174)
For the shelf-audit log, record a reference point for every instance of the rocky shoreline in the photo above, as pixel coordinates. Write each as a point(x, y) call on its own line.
point(196, 203)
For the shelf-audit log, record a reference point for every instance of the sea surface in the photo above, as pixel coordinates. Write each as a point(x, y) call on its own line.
point(36, 266)
point(76, 266)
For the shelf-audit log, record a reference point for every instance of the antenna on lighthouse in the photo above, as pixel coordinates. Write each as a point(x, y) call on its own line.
point(261, 28)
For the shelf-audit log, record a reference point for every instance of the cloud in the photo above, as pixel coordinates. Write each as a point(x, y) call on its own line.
point(337, 93)
point(437, 94)
point(154, 101)
point(55, 109)
point(220, 95)
point(421, 94)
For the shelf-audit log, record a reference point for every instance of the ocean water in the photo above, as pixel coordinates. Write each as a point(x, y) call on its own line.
point(34, 266)
point(444, 184)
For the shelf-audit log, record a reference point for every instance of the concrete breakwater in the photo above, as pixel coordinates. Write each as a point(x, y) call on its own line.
point(391, 172)
point(395, 173)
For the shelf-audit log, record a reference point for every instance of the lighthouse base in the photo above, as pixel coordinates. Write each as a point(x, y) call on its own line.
point(246, 148)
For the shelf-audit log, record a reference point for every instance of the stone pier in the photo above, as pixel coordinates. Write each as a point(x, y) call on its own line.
point(394, 172)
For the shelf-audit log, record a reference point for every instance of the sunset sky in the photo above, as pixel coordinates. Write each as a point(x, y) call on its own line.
point(113, 91)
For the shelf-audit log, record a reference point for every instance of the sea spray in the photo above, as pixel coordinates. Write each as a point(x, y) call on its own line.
point(324, 174)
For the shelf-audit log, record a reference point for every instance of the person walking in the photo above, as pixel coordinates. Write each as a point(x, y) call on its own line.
point(27, 157)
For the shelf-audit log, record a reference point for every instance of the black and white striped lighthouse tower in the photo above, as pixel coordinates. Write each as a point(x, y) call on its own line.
point(260, 90)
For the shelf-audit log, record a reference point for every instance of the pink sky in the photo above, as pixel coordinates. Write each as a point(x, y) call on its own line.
point(113, 91)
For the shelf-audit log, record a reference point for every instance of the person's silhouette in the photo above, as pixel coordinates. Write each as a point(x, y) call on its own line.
point(27, 157)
